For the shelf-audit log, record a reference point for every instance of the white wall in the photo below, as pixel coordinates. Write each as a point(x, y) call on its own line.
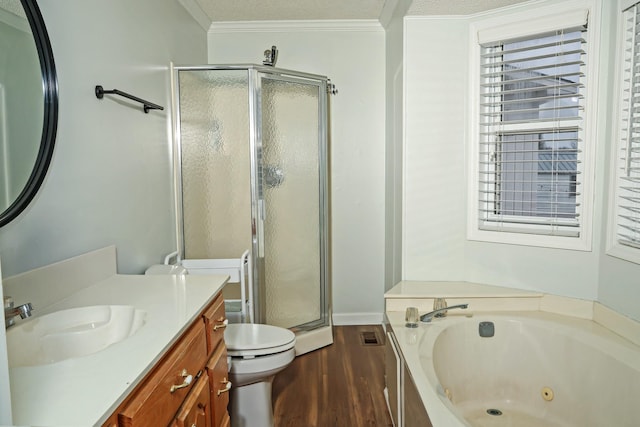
point(436, 119)
point(110, 177)
point(434, 211)
point(352, 55)
point(394, 95)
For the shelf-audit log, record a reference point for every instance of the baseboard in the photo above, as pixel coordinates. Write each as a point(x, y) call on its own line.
point(342, 319)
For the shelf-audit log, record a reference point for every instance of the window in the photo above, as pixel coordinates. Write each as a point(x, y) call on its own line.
point(531, 172)
point(626, 204)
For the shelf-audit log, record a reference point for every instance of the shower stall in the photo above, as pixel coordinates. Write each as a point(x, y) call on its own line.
point(251, 161)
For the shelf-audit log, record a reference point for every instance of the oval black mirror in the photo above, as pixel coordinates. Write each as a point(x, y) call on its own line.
point(29, 111)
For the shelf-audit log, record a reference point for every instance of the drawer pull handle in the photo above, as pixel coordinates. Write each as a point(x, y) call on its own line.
point(187, 380)
point(222, 325)
point(226, 388)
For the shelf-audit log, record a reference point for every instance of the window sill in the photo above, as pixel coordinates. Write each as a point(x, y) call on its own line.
point(536, 240)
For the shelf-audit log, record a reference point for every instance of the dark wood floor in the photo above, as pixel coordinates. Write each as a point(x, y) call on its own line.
point(337, 386)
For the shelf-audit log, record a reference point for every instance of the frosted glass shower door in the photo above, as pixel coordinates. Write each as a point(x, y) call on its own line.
point(214, 163)
point(292, 199)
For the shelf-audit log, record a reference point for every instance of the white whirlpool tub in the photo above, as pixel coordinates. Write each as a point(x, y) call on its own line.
point(538, 369)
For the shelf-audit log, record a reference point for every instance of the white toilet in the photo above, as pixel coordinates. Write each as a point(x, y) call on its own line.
point(258, 353)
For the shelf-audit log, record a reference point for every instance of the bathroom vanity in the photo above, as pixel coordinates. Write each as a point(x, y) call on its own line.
point(170, 370)
point(189, 386)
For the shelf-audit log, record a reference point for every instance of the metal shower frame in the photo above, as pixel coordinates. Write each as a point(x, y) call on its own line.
point(254, 74)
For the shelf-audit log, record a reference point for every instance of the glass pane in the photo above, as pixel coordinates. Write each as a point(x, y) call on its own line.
point(541, 77)
point(216, 193)
point(291, 190)
point(538, 174)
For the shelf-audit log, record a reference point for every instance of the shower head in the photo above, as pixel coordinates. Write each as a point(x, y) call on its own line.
point(270, 56)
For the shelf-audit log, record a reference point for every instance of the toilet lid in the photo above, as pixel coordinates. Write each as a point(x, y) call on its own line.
point(245, 339)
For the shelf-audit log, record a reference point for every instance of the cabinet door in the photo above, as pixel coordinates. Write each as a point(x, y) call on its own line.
point(218, 372)
point(415, 415)
point(226, 421)
point(196, 409)
point(216, 322)
point(158, 399)
point(392, 373)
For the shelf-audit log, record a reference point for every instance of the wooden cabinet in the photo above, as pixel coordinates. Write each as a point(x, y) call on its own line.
point(215, 323)
point(196, 410)
point(218, 372)
point(162, 393)
point(393, 374)
point(415, 415)
point(184, 389)
point(226, 421)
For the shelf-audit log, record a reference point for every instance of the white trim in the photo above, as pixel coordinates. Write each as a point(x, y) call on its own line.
point(626, 4)
point(197, 13)
point(483, 14)
point(614, 248)
point(523, 17)
point(343, 319)
point(536, 24)
point(355, 25)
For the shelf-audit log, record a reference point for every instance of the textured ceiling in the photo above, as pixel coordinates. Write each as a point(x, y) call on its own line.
point(278, 10)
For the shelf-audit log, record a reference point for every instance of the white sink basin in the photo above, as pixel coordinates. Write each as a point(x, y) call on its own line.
point(71, 333)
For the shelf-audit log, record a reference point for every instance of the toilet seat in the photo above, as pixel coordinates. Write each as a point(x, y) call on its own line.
point(250, 340)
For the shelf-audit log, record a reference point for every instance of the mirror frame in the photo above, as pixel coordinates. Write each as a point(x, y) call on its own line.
point(50, 118)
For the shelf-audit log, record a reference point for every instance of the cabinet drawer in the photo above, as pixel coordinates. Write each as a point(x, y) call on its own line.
point(218, 372)
point(226, 421)
point(216, 322)
point(196, 410)
point(154, 404)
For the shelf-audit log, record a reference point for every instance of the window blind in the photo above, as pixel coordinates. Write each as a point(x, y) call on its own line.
point(628, 168)
point(532, 108)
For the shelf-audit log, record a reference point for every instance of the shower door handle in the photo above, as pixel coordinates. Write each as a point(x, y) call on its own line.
point(262, 209)
point(262, 213)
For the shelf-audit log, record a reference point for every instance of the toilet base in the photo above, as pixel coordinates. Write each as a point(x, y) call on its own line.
point(256, 409)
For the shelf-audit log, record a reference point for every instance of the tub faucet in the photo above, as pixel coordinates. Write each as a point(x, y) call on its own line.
point(427, 317)
point(10, 312)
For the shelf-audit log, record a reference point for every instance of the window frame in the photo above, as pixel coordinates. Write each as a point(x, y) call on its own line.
point(614, 247)
point(535, 20)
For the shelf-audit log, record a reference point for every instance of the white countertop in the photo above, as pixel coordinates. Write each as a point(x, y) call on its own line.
point(85, 391)
point(418, 289)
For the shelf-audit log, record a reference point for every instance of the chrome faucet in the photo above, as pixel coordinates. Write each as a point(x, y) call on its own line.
point(427, 317)
point(10, 312)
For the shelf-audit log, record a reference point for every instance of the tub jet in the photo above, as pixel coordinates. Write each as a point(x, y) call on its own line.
point(494, 412)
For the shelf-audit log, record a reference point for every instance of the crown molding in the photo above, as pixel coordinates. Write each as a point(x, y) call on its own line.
point(355, 25)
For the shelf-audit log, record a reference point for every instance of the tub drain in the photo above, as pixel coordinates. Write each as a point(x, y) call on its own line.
point(494, 412)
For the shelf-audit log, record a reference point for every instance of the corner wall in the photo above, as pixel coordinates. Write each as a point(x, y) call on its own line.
point(394, 95)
